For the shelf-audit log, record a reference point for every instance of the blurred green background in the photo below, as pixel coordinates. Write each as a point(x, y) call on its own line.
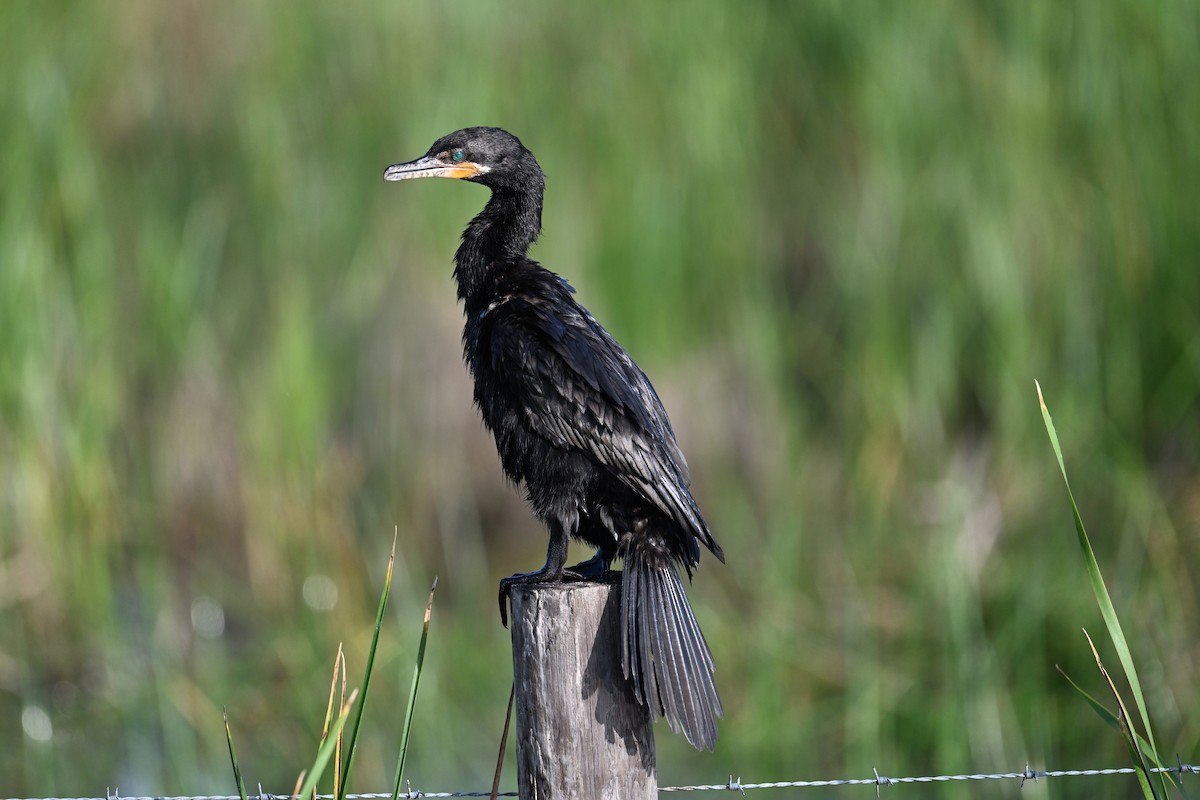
point(843, 239)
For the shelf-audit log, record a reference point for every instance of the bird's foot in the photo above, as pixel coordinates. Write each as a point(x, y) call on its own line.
point(525, 578)
point(595, 567)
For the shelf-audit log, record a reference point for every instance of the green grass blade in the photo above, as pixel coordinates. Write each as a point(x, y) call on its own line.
point(326, 750)
point(1136, 753)
point(1100, 590)
point(339, 670)
point(412, 694)
point(383, 598)
point(1101, 710)
point(237, 772)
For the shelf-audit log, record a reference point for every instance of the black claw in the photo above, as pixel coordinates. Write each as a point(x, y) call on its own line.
point(503, 604)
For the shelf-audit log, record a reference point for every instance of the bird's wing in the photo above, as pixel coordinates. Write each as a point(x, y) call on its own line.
point(582, 391)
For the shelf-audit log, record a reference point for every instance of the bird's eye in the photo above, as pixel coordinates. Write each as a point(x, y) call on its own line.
point(457, 155)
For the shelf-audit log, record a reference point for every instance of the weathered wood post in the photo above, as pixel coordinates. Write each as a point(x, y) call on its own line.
point(580, 731)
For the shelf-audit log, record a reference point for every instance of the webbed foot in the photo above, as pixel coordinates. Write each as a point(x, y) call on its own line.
point(595, 567)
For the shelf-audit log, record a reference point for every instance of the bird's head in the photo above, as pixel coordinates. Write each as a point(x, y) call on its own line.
point(491, 156)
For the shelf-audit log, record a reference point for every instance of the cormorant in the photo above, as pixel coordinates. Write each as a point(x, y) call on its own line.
point(577, 422)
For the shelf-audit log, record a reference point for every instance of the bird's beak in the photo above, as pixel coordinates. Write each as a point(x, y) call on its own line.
point(432, 167)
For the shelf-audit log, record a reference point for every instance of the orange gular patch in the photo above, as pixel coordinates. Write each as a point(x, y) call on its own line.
point(467, 169)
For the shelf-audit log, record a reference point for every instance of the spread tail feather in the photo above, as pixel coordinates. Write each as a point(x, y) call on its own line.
point(664, 653)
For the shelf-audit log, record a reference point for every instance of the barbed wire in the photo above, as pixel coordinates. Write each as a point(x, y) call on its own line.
point(732, 785)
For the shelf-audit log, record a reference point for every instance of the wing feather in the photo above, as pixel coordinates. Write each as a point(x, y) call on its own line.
point(582, 391)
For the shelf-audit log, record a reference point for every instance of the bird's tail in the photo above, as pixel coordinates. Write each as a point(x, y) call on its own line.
point(663, 650)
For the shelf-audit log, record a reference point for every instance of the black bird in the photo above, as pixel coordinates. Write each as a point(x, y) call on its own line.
point(579, 425)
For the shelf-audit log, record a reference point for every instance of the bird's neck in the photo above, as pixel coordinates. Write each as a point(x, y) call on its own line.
point(500, 234)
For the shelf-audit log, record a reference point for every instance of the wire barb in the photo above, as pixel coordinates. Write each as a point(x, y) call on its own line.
point(880, 780)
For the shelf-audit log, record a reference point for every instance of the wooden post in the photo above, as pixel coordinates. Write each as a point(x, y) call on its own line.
point(580, 731)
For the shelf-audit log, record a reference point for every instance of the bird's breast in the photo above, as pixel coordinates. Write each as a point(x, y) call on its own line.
point(502, 413)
